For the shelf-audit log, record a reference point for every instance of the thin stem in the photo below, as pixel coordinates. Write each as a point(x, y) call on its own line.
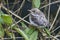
point(19, 21)
point(49, 4)
point(55, 29)
point(15, 15)
point(49, 11)
point(55, 18)
point(19, 8)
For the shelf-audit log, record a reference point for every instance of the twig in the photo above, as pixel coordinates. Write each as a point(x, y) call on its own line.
point(11, 38)
point(7, 4)
point(19, 20)
point(57, 36)
point(40, 8)
point(11, 3)
point(20, 6)
point(53, 37)
point(55, 18)
point(55, 29)
point(49, 11)
point(49, 4)
point(14, 4)
point(15, 14)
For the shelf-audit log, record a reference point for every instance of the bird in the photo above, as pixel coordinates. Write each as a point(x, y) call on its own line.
point(38, 18)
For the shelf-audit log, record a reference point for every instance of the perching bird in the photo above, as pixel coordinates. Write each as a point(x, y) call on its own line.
point(37, 18)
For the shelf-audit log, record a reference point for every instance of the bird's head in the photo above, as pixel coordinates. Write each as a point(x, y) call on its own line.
point(34, 11)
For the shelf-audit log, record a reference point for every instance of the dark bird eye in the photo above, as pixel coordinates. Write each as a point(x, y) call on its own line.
point(33, 11)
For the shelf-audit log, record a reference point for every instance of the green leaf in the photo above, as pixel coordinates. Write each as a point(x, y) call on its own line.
point(36, 3)
point(30, 31)
point(1, 31)
point(47, 31)
point(7, 19)
point(22, 33)
point(1, 20)
point(1, 13)
point(23, 25)
point(34, 35)
point(27, 30)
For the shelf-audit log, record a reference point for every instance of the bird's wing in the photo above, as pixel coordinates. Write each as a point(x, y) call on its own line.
point(36, 21)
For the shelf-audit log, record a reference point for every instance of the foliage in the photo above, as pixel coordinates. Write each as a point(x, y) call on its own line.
point(5, 20)
point(27, 33)
point(1, 31)
point(35, 3)
point(47, 32)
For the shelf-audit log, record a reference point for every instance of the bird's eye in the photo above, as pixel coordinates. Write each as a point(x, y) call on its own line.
point(33, 11)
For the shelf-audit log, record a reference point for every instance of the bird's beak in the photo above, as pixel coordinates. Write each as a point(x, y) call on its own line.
point(29, 10)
